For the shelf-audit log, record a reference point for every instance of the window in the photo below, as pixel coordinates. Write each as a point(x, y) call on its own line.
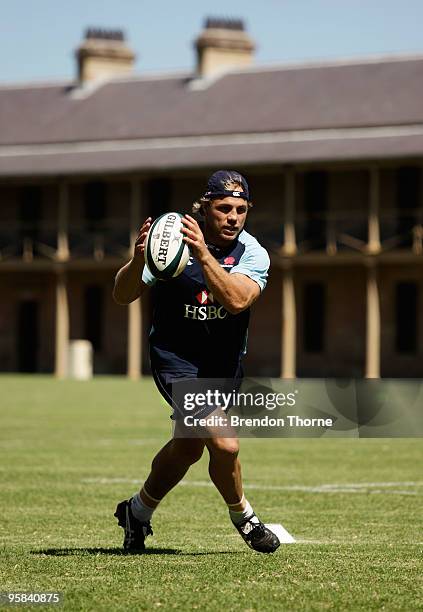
point(28, 336)
point(95, 205)
point(94, 315)
point(408, 187)
point(406, 317)
point(314, 317)
point(30, 212)
point(315, 206)
point(407, 201)
point(159, 195)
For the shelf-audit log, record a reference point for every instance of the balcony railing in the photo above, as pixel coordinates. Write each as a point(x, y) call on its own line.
point(329, 232)
point(111, 240)
point(30, 242)
point(347, 231)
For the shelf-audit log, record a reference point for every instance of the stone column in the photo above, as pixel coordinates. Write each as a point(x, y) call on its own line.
point(134, 340)
point(62, 326)
point(134, 344)
point(289, 244)
point(62, 223)
point(373, 324)
point(289, 335)
point(373, 244)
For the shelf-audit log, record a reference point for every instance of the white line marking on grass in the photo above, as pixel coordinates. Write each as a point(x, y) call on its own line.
point(325, 488)
point(90, 442)
point(111, 480)
point(359, 485)
point(365, 487)
point(329, 488)
point(113, 441)
point(389, 492)
point(326, 542)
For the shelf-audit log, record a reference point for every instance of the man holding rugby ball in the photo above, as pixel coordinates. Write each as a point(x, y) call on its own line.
point(227, 272)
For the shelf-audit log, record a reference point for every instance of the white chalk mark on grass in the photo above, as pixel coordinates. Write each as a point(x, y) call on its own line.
point(372, 487)
point(364, 487)
point(72, 442)
point(111, 480)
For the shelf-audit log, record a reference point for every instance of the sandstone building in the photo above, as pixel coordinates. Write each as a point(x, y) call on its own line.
point(333, 153)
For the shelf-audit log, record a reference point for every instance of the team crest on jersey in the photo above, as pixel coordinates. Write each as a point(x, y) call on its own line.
point(228, 262)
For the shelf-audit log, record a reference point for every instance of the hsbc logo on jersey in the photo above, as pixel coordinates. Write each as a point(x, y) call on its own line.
point(207, 311)
point(204, 313)
point(204, 297)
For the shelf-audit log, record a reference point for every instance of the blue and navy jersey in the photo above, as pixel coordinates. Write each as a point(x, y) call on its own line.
point(192, 334)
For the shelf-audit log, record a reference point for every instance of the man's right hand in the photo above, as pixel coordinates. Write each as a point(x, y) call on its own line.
point(142, 235)
point(128, 282)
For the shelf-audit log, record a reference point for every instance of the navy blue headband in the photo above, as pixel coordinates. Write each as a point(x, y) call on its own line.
point(225, 193)
point(220, 180)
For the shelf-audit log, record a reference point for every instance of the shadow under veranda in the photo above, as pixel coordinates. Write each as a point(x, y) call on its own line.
point(66, 552)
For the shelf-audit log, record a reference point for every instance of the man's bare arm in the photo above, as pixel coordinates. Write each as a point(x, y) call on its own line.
point(128, 284)
point(236, 292)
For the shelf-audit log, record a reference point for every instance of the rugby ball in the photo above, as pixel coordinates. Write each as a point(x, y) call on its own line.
point(166, 254)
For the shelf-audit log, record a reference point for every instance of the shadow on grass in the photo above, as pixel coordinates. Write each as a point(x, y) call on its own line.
point(67, 552)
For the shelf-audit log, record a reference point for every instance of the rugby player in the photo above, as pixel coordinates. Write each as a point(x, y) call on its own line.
point(227, 273)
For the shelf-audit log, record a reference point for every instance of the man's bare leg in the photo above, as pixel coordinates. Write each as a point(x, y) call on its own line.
point(168, 467)
point(225, 470)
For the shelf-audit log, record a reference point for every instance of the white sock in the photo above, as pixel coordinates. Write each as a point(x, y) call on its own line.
point(240, 517)
point(141, 512)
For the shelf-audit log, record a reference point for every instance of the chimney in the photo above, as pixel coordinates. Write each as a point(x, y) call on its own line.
point(103, 54)
point(223, 44)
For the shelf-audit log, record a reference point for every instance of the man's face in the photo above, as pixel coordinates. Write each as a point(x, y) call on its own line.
point(224, 219)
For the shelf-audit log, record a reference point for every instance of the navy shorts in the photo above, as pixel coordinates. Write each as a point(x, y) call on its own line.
point(167, 381)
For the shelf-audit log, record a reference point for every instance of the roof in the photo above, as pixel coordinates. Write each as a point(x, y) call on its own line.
point(367, 109)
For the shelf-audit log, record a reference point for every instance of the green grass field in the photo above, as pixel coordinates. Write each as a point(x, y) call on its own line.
point(70, 451)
